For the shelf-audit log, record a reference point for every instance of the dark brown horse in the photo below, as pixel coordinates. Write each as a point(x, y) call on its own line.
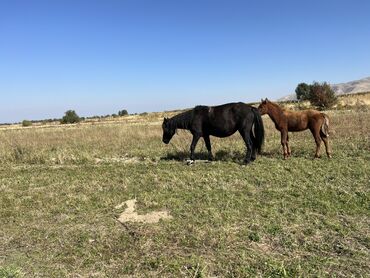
point(220, 121)
point(285, 120)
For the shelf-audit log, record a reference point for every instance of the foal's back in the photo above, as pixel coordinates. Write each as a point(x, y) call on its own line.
point(301, 120)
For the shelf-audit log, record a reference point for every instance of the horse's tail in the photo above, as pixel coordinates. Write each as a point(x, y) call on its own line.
point(325, 125)
point(259, 131)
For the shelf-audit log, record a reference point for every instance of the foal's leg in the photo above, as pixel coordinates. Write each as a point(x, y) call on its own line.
point(284, 135)
point(287, 145)
point(248, 143)
point(193, 144)
point(316, 135)
point(326, 142)
point(209, 148)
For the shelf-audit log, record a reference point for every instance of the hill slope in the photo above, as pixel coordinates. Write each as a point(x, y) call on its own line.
point(352, 87)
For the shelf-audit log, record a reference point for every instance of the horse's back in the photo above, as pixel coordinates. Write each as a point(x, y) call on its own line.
point(225, 110)
point(222, 120)
point(315, 116)
point(305, 119)
point(231, 105)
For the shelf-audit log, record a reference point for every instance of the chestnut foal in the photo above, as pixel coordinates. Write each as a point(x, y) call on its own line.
point(286, 120)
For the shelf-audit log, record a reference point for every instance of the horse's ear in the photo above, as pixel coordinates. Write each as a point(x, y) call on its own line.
point(261, 99)
point(165, 120)
point(266, 100)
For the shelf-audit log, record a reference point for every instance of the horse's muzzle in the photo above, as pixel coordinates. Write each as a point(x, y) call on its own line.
point(166, 141)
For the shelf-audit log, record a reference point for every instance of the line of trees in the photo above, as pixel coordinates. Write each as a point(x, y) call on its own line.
point(319, 94)
point(71, 116)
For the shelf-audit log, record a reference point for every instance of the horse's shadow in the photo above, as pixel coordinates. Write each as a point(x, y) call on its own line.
point(218, 156)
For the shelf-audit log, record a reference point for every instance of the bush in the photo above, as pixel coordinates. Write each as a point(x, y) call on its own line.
point(303, 91)
point(122, 112)
point(26, 123)
point(70, 117)
point(322, 95)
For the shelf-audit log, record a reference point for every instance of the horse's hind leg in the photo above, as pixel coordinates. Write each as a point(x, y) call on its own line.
point(209, 148)
point(254, 150)
point(326, 142)
point(316, 135)
point(248, 143)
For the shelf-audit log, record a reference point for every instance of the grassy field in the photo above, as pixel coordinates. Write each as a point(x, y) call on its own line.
point(60, 187)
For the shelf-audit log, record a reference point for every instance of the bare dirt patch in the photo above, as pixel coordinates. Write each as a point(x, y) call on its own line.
point(130, 215)
point(118, 159)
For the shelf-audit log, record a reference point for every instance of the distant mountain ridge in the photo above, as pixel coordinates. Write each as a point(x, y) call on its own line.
point(352, 87)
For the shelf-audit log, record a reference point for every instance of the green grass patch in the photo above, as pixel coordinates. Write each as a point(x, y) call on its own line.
point(274, 218)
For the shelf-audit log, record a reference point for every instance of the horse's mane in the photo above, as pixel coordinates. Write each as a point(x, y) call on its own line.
point(183, 120)
point(277, 107)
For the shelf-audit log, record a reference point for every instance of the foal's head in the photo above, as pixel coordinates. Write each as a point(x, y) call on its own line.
point(264, 106)
point(168, 131)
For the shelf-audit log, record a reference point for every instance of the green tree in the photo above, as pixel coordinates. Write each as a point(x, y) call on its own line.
point(303, 91)
point(70, 117)
point(322, 95)
point(26, 123)
point(122, 112)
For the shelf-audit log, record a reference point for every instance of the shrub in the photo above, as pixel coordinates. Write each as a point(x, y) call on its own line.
point(322, 95)
point(123, 112)
point(303, 91)
point(26, 123)
point(70, 117)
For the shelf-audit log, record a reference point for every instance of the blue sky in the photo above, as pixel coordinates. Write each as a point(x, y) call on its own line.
point(98, 57)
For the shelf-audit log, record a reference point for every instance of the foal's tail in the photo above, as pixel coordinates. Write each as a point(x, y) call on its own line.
point(325, 125)
point(259, 131)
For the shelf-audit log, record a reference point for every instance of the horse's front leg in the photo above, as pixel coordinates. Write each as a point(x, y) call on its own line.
point(193, 145)
point(284, 135)
point(287, 145)
point(209, 148)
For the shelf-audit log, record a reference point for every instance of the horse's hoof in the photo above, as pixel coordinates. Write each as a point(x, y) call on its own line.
point(190, 162)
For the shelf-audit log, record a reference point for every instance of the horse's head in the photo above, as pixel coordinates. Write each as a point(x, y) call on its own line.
point(263, 107)
point(168, 131)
